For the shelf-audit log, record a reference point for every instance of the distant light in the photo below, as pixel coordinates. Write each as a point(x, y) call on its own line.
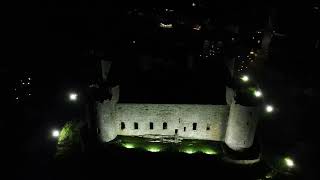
point(289, 162)
point(128, 146)
point(245, 78)
point(133, 42)
point(257, 93)
point(165, 25)
point(197, 27)
point(232, 39)
point(251, 52)
point(28, 83)
point(55, 133)
point(17, 98)
point(29, 94)
point(258, 41)
point(193, 4)
point(154, 149)
point(29, 78)
point(253, 37)
point(269, 108)
point(73, 96)
point(23, 83)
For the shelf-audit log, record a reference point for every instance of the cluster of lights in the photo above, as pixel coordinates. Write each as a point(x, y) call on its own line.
point(257, 93)
point(211, 48)
point(22, 89)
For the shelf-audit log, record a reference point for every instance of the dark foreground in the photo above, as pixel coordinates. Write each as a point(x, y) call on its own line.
point(121, 163)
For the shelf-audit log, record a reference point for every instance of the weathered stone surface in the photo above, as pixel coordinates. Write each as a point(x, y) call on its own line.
point(241, 126)
point(233, 124)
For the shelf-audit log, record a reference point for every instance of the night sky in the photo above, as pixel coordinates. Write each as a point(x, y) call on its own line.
point(59, 47)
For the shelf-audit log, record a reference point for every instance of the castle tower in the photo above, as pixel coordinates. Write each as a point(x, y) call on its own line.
point(106, 113)
point(241, 126)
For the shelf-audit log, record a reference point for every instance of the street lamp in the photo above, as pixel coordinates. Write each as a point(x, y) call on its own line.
point(289, 162)
point(245, 78)
point(257, 93)
point(55, 133)
point(73, 96)
point(269, 108)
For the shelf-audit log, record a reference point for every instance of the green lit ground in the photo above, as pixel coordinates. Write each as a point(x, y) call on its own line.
point(185, 146)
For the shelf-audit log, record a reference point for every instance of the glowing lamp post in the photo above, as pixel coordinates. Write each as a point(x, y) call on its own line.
point(257, 93)
point(269, 108)
point(289, 162)
point(245, 78)
point(55, 133)
point(73, 96)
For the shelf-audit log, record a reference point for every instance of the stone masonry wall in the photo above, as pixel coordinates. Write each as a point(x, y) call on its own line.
point(178, 117)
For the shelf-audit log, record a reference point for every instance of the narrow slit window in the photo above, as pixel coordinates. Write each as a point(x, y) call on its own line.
point(123, 126)
point(165, 125)
point(194, 126)
point(208, 127)
point(184, 129)
point(136, 125)
point(151, 125)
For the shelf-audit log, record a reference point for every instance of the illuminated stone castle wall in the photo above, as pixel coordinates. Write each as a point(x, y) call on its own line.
point(232, 123)
point(178, 117)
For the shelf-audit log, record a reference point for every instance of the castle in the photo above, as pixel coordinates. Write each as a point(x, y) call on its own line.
point(234, 124)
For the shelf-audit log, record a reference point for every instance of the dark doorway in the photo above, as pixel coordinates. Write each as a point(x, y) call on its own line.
point(176, 131)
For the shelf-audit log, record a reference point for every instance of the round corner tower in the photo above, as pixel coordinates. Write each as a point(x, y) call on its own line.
point(241, 126)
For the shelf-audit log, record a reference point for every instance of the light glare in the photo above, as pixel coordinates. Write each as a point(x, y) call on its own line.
point(289, 162)
point(73, 96)
point(269, 108)
point(55, 133)
point(245, 78)
point(258, 93)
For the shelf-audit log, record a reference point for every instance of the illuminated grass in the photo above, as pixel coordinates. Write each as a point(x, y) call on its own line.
point(189, 151)
point(209, 151)
point(153, 149)
point(186, 146)
point(128, 145)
